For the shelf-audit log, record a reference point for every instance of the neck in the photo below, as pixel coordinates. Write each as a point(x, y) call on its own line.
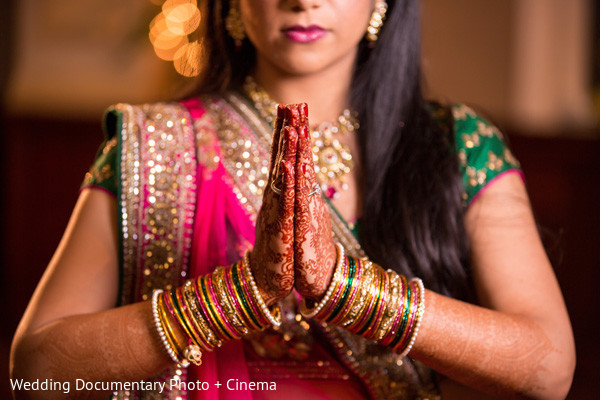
point(326, 92)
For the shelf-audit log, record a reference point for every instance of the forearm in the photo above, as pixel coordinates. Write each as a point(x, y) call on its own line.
point(507, 355)
point(496, 352)
point(120, 344)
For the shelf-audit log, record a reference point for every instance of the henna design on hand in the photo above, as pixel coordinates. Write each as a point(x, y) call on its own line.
point(272, 259)
point(314, 249)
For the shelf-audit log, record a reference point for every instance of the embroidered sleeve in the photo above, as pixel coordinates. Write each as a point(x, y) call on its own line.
point(482, 152)
point(102, 173)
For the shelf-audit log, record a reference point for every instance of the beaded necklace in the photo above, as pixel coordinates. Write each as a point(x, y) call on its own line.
point(333, 160)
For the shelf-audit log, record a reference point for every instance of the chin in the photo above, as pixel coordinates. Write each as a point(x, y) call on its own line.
point(304, 63)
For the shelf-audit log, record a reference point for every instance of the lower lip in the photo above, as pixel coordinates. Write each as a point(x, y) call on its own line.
point(305, 36)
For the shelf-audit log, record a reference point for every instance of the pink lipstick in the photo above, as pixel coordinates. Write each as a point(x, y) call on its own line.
point(302, 34)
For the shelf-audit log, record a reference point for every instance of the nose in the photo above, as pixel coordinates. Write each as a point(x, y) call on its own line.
point(303, 5)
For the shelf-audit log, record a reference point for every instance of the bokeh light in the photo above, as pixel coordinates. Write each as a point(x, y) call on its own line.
point(187, 58)
point(169, 34)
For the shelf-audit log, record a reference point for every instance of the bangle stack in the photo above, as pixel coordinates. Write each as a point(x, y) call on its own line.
point(378, 305)
point(210, 310)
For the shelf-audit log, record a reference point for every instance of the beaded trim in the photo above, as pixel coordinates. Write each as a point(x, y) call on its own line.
point(157, 172)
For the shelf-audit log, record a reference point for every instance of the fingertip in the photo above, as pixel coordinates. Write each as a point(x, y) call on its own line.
point(280, 111)
point(303, 132)
point(292, 116)
point(303, 113)
point(303, 109)
point(280, 117)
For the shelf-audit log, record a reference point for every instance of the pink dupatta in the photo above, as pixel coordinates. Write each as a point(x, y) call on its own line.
point(223, 230)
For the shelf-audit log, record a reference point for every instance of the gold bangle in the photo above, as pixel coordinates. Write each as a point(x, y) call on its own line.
point(391, 307)
point(201, 337)
point(360, 303)
point(170, 335)
point(211, 337)
point(222, 294)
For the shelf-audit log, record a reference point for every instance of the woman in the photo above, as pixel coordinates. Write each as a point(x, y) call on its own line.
point(426, 190)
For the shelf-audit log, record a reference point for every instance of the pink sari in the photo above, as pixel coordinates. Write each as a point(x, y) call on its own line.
point(218, 212)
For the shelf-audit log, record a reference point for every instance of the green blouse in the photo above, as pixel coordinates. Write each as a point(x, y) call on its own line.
point(482, 152)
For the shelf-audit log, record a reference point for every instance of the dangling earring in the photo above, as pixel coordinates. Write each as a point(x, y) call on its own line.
point(234, 24)
point(376, 22)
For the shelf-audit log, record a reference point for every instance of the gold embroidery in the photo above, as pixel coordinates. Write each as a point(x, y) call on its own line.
point(110, 145)
point(493, 161)
point(157, 202)
point(99, 175)
point(471, 140)
point(462, 157)
point(487, 130)
point(475, 176)
point(462, 112)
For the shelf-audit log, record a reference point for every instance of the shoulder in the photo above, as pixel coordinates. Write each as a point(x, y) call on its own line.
point(121, 117)
point(482, 151)
point(129, 128)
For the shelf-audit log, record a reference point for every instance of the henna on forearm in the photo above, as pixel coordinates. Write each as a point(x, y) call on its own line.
point(114, 345)
point(488, 350)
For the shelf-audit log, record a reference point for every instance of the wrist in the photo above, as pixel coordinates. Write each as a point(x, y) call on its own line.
point(368, 301)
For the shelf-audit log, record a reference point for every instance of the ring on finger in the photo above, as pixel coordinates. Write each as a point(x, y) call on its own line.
point(316, 189)
point(275, 189)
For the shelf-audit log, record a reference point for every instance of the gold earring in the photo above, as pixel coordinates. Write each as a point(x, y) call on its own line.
point(376, 22)
point(234, 24)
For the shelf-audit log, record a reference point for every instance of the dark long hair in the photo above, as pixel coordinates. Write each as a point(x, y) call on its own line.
point(413, 216)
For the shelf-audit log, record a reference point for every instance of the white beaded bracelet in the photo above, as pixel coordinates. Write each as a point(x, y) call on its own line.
point(161, 331)
point(419, 317)
point(310, 313)
point(276, 322)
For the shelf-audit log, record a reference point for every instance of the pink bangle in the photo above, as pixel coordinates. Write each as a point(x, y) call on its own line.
point(373, 300)
point(248, 294)
point(353, 293)
point(205, 310)
point(328, 309)
point(273, 318)
point(195, 335)
point(382, 304)
point(413, 311)
point(392, 333)
point(235, 300)
point(219, 311)
point(419, 317)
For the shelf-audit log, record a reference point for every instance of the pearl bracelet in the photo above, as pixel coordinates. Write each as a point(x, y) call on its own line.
point(276, 322)
point(161, 332)
point(419, 317)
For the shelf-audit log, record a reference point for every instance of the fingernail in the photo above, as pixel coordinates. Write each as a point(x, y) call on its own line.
point(303, 169)
point(303, 109)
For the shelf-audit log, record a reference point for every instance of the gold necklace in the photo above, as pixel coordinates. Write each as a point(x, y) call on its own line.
point(333, 160)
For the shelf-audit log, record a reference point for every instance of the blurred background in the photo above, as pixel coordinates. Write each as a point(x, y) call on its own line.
point(531, 66)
